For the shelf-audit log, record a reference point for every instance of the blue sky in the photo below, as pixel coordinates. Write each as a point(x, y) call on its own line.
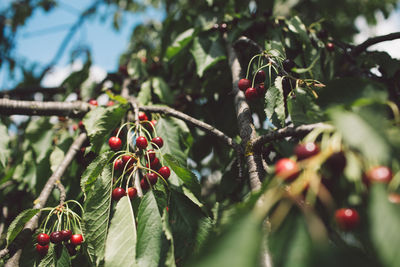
point(106, 44)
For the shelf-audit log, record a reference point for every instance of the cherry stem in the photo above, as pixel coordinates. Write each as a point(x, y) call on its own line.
point(248, 66)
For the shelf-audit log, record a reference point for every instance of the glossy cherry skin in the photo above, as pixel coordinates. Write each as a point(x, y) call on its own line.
point(164, 172)
point(56, 237)
point(158, 141)
point(150, 155)
point(42, 250)
point(144, 184)
point(118, 165)
point(251, 93)
point(154, 164)
point(243, 84)
point(66, 234)
point(379, 174)
point(347, 219)
point(132, 192)
point(76, 239)
point(115, 143)
point(152, 177)
point(286, 169)
point(260, 76)
point(330, 47)
point(128, 160)
point(304, 151)
point(143, 116)
point(141, 142)
point(118, 193)
point(110, 103)
point(260, 90)
point(43, 239)
point(93, 102)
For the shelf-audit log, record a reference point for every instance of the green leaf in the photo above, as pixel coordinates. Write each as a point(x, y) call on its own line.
point(136, 68)
point(56, 157)
point(189, 178)
point(180, 42)
point(39, 134)
point(302, 108)
point(121, 238)
point(97, 215)
point(162, 90)
point(94, 170)
point(238, 246)
point(118, 98)
point(384, 219)
point(144, 96)
point(363, 135)
point(170, 257)
point(149, 232)
point(185, 218)
point(176, 136)
point(295, 25)
point(48, 260)
point(26, 171)
point(18, 224)
point(5, 152)
point(62, 258)
point(100, 122)
point(274, 103)
point(206, 53)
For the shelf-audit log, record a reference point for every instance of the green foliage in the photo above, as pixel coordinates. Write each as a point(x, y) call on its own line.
point(18, 224)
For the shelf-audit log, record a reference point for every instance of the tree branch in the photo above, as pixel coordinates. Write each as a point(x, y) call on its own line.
point(40, 202)
point(23, 91)
point(371, 41)
point(286, 132)
point(247, 130)
point(71, 109)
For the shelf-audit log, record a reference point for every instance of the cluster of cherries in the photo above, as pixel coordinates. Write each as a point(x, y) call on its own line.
point(251, 92)
point(57, 237)
point(288, 169)
point(127, 162)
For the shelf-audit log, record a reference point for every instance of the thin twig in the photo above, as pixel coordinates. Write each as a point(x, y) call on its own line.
point(374, 40)
point(61, 188)
point(75, 109)
point(23, 91)
point(286, 132)
point(40, 202)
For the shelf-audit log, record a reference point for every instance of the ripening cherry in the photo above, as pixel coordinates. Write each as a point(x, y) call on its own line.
point(164, 172)
point(66, 234)
point(118, 193)
point(158, 141)
point(76, 239)
point(379, 174)
point(152, 177)
point(330, 47)
point(304, 151)
point(141, 142)
point(143, 116)
point(150, 155)
point(118, 165)
point(93, 102)
point(251, 93)
point(154, 164)
point(42, 250)
point(110, 103)
point(144, 184)
point(243, 84)
point(132, 192)
point(286, 169)
point(260, 76)
point(115, 143)
point(43, 239)
point(56, 237)
point(347, 219)
point(260, 90)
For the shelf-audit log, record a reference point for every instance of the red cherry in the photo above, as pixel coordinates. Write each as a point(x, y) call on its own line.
point(347, 219)
point(74, 127)
point(42, 250)
point(152, 177)
point(132, 192)
point(144, 184)
point(260, 90)
point(66, 234)
point(43, 239)
point(76, 239)
point(81, 126)
point(304, 151)
point(330, 47)
point(243, 84)
point(154, 164)
point(56, 237)
point(128, 161)
point(118, 165)
point(143, 116)
point(115, 143)
point(154, 122)
point(158, 141)
point(150, 155)
point(93, 102)
point(164, 172)
point(118, 193)
point(251, 93)
point(141, 142)
point(110, 103)
point(379, 174)
point(260, 76)
point(286, 169)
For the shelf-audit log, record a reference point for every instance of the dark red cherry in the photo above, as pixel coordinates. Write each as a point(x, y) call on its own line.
point(152, 177)
point(286, 169)
point(288, 64)
point(347, 219)
point(118, 165)
point(158, 141)
point(243, 84)
point(330, 47)
point(42, 250)
point(307, 150)
point(154, 164)
point(141, 142)
point(144, 184)
point(43, 239)
point(115, 143)
point(56, 237)
point(164, 172)
point(251, 93)
point(260, 76)
point(118, 193)
point(260, 90)
point(143, 116)
point(66, 234)
point(132, 192)
point(150, 155)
